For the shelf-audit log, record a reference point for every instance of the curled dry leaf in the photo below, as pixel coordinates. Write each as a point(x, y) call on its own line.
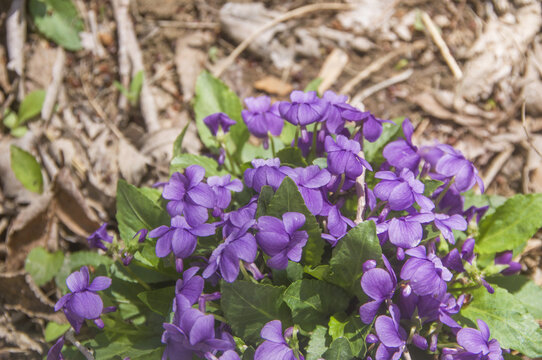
point(273, 85)
point(190, 60)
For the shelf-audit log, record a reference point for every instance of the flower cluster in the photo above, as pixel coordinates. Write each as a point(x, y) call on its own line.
point(285, 222)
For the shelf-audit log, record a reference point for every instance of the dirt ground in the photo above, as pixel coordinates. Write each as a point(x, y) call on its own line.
point(466, 72)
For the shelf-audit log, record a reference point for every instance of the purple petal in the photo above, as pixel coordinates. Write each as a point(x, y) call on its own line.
point(195, 214)
point(86, 304)
point(244, 247)
point(202, 329)
point(405, 234)
point(100, 283)
point(400, 197)
point(377, 284)
point(229, 267)
point(367, 311)
point(472, 340)
point(183, 243)
point(78, 280)
point(387, 332)
point(62, 301)
point(278, 261)
point(272, 331)
point(195, 174)
point(484, 329)
point(202, 195)
point(163, 245)
point(293, 221)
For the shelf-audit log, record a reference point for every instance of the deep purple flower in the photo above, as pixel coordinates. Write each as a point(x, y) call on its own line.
point(222, 187)
point(141, 234)
point(431, 308)
point(194, 334)
point(83, 302)
point(343, 157)
point(180, 237)
point(337, 224)
point(467, 250)
point(189, 196)
point(227, 355)
point(476, 345)
point(379, 285)
point(451, 202)
point(54, 352)
point(407, 232)
point(372, 126)
point(305, 108)
point(237, 219)
point(425, 271)
point(453, 261)
point(401, 191)
point(304, 143)
point(265, 172)
point(505, 258)
point(391, 335)
point(190, 286)
point(95, 240)
point(281, 239)
point(275, 346)
point(452, 163)
point(310, 182)
point(445, 223)
point(402, 153)
point(339, 111)
point(262, 118)
point(214, 121)
point(239, 245)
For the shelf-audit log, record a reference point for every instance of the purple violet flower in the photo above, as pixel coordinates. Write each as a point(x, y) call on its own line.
point(305, 108)
point(265, 172)
point(239, 245)
point(407, 232)
point(54, 352)
point(189, 196)
point(337, 224)
point(214, 121)
point(445, 223)
point(190, 286)
point(275, 346)
point(425, 271)
point(379, 285)
point(261, 117)
point(282, 240)
point(310, 182)
point(237, 219)
point(391, 335)
point(343, 157)
point(141, 234)
point(180, 237)
point(193, 334)
point(505, 258)
point(402, 153)
point(401, 191)
point(222, 187)
point(339, 111)
point(95, 240)
point(83, 302)
point(476, 345)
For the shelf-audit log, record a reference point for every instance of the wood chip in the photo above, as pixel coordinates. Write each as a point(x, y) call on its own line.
point(273, 85)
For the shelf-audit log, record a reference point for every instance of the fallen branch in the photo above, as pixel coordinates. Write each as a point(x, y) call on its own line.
point(148, 106)
point(83, 350)
point(304, 10)
point(378, 64)
point(53, 88)
point(362, 95)
point(495, 166)
point(15, 39)
point(527, 133)
point(441, 44)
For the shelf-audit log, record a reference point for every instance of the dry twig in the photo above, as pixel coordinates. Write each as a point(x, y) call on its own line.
point(527, 134)
point(53, 88)
point(83, 350)
point(496, 165)
point(441, 44)
point(362, 95)
point(332, 69)
point(16, 35)
point(378, 64)
point(301, 11)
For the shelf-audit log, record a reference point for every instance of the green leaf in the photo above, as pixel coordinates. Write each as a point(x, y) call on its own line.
point(213, 96)
point(57, 20)
point(373, 150)
point(178, 143)
point(430, 186)
point(313, 301)
point(508, 320)
point(159, 300)
point(336, 327)
point(288, 133)
point(54, 330)
point(26, 169)
point(480, 200)
point(136, 84)
point(287, 199)
point(313, 85)
point(266, 195)
point(10, 119)
point(512, 224)
point(339, 350)
point(183, 161)
point(248, 307)
point(292, 157)
point(321, 162)
point(30, 106)
point(356, 332)
point(525, 291)
point(317, 343)
point(43, 265)
point(135, 211)
point(357, 246)
point(19, 131)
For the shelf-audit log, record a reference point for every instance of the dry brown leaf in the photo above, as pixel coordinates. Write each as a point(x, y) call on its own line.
point(132, 163)
point(189, 61)
point(12, 336)
point(273, 85)
point(70, 206)
point(430, 105)
point(332, 68)
point(29, 229)
point(19, 293)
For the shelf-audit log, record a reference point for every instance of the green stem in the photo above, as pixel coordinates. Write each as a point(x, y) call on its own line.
point(272, 144)
point(245, 272)
point(296, 139)
point(136, 278)
point(466, 288)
